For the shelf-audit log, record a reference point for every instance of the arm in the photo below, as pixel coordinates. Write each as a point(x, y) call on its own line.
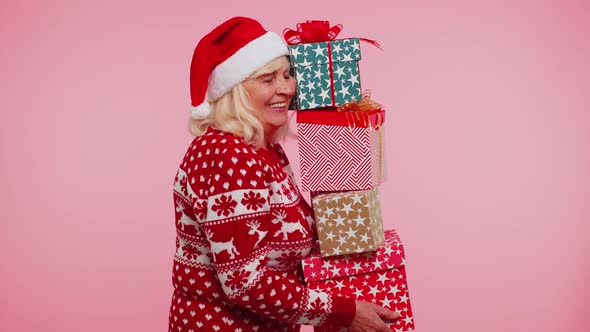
point(239, 198)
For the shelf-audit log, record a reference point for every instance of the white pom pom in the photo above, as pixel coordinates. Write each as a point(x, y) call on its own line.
point(200, 112)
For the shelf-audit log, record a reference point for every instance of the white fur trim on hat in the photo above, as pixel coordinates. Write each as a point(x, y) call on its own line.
point(244, 62)
point(201, 111)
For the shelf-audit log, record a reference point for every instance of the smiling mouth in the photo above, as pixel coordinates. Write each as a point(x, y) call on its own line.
point(278, 106)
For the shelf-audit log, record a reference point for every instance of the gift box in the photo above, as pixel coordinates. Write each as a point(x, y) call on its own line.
point(378, 277)
point(340, 151)
point(327, 73)
point(348, 222)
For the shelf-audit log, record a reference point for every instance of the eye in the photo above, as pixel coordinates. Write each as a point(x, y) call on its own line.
point(267, 78)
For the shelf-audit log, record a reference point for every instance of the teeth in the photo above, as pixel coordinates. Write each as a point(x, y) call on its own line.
point(278, 105)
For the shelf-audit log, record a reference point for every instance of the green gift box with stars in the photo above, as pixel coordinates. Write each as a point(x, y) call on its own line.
point(327, 73)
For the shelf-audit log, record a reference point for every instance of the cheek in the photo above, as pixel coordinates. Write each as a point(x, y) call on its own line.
point(292, 86)
point(260, 100)
point(265, 95)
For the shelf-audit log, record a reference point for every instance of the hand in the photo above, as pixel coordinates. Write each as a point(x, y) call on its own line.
point(370, 317)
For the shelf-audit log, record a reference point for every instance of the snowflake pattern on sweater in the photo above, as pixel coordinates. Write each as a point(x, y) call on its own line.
point(242, 231)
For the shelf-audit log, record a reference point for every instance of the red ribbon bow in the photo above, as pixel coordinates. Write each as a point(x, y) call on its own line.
point(317, 31)
point(311, 32)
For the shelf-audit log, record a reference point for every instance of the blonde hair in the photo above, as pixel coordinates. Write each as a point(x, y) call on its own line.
point(233, 113)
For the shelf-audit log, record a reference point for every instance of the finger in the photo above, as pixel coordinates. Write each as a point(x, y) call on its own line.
point(386, 313)
point(383, 328)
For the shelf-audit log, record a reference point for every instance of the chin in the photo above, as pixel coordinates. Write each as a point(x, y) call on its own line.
point(279, 133)
point(277, 110)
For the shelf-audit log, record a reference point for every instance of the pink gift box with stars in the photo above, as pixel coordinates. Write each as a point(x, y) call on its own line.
point(378, 277)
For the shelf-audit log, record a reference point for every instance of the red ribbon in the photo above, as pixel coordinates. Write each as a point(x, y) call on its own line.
point(311, 32)
point(317, 31)
point(373, 118)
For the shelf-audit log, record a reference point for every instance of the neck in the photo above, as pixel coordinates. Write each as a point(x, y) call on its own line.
point(269, 137)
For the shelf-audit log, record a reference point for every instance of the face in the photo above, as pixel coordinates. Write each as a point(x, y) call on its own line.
point(270, 95)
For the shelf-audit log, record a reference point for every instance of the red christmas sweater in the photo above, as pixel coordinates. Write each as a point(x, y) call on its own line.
point(242, 230)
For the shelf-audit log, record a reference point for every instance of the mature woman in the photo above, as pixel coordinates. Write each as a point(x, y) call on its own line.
point(242, 226)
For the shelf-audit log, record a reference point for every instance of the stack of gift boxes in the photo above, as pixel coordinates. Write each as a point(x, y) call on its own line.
point(340, 154)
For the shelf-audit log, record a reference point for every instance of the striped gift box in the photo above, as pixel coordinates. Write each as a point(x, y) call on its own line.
point(339, 151)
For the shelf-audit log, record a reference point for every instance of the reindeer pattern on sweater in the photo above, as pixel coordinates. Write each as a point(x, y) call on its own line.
point(242, 230)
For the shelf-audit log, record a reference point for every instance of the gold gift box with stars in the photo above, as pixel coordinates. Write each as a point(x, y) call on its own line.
point(348, 222)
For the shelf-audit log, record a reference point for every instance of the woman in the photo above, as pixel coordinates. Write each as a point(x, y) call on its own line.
point(242, 227)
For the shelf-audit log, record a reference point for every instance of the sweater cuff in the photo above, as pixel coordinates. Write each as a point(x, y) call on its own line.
point(343, 312)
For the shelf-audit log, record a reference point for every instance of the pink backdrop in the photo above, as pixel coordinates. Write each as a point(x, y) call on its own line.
point(487, 144)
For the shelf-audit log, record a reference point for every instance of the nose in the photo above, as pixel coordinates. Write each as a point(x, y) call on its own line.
point(286, 87)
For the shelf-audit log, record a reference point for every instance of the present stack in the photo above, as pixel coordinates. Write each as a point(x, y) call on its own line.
point(378, 277)
point(340, 154)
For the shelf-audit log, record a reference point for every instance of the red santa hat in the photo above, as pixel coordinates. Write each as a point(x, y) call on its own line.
point(228, 55)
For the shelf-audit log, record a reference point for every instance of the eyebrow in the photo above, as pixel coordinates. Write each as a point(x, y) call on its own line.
point(267, 74)
point(272, 73)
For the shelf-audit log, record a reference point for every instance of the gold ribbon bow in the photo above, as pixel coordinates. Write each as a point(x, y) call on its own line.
point(361, 110)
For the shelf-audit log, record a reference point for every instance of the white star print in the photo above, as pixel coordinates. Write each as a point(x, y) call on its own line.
point(353, 80)
point(340, 221)
point(336, 48)
point(322, 220)
point(351, 233)
point(346, 57)
point(388, 251)
point(339, 284)
point(408, 320)
point(403, 299)
point(382, 278)
point(385, 302)
point(318, 74)
point(358, 293)
point(357, 199)
point(347, 208)
point(339, 71)
point(294, 52)
point(330, 236)
point(335, 270)
point(357, 267)
point(377, 264)
point(313, 104)
point(329, 212)
point(344, 90)
point(374, 291)
point(394, 290)
point(324, 94)
point(319, 51)
point(365, 238)
point(300, 77)
point(359, 221)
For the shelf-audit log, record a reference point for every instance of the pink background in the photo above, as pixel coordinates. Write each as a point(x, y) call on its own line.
point(487, 142)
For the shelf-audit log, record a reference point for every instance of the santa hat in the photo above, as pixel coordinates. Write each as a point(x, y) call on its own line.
point(228, 55)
